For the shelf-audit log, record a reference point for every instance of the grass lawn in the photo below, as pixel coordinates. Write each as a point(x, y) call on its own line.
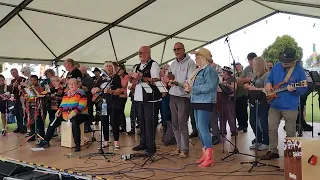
point(316, 112)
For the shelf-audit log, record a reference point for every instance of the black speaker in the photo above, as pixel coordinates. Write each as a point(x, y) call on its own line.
point(36, 175)
point(9, 169)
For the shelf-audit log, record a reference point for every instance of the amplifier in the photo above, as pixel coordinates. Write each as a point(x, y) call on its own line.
point(300, 156)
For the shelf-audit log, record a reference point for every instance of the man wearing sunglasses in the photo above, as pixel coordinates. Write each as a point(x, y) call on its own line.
point(179, 71)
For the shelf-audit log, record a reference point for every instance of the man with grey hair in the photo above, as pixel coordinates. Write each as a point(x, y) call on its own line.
point(179, 71)
point(18, 111)
point(87, 85)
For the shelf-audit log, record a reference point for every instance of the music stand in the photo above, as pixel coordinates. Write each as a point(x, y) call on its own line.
point(315, 86)
point(36, 135)
point(159, 86)
point(256, 96)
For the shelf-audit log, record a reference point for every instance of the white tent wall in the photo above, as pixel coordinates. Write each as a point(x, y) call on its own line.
point(92, 32)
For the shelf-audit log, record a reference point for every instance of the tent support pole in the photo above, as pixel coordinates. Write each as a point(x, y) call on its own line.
point(114, 49)
point(25, 22)
point(14, 12)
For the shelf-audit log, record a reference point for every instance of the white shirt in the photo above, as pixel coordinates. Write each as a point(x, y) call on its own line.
point(154, 72)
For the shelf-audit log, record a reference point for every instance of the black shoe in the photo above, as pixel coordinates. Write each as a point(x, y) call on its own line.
point(193, 134)
point(24, 130)
point(234, 133)
point(16, 131)
point(4, 132)
point(32, 139)
point(43, 144)
point(245, 129)
point(307, 127)
point(28, 134)
point(319, 134)
point(215, 140)
point(139, 148)
point(270, 155)
point(131, 132)
point(77, 148)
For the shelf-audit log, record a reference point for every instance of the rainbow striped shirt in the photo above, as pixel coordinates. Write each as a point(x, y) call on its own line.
point(76, 104)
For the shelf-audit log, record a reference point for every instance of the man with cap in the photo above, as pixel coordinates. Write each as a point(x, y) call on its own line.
point(286, 72)
point(228, 87)
point(97, 79)
point(241, 95)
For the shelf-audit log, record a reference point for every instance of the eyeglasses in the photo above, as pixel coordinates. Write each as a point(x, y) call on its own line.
point(177, 49)
point(140, 52)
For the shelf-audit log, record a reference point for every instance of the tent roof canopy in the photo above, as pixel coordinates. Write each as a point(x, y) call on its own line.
point(41, 31)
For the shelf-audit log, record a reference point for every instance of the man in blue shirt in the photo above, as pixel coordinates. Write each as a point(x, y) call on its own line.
point(287, 72)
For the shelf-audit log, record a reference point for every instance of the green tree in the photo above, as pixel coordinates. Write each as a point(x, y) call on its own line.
point(309, 60)
point(272, 52)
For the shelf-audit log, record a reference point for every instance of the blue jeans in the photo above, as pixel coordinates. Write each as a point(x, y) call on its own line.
point(262, 134)
point(202, 119)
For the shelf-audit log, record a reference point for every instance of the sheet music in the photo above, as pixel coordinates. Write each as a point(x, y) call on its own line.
point(47, 88)
point(161, 86)
point(29, 92)
point(146, 87)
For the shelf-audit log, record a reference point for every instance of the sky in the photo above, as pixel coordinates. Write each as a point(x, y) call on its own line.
point(257, 37)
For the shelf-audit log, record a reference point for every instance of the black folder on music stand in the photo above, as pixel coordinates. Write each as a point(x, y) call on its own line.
point(162, 89)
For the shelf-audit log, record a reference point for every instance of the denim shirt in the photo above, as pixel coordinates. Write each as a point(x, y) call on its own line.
point(204, 88)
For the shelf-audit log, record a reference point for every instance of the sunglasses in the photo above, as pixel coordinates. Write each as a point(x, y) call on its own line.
point(177, 49)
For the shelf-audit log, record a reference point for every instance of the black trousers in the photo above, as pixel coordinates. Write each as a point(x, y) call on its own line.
point(39, 124)
point(113, 116)
point(133, 114)
point(122, 117)
point(148, 113)
point(193, 122)
point(242, 111)
point(18, 113)
point(75, 121)
point(89, 120)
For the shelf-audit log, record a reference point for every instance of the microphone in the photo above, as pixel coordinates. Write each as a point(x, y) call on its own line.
point(227, 39)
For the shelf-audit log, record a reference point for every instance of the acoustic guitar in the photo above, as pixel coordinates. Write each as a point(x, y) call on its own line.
point(271, 95)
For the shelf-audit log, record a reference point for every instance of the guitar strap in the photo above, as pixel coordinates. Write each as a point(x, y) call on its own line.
point(286, 79)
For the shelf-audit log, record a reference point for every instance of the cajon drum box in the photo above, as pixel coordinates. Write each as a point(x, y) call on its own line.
point(67, 137)
point(297, 152)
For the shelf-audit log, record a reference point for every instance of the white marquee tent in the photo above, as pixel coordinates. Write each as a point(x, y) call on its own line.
point(93, 31)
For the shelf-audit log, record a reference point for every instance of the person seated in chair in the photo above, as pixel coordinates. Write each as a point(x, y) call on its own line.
point(74, 108)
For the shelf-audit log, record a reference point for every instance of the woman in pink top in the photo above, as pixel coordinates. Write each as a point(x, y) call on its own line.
point(123, 96)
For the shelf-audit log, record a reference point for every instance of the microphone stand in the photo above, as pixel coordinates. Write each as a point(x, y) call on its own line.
point(101, 151)
point(235, 150)
point(257, 97)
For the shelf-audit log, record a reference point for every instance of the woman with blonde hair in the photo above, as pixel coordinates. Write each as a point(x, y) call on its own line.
point(202, 86)
point(112, 88)
point(260, 75)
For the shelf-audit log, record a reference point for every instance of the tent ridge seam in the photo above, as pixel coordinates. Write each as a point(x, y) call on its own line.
point(231, 32)
point(189, 26)
point(105, 29)
point(14, 12)
point(293, 3)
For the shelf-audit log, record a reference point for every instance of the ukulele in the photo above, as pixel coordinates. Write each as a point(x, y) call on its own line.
point(271, 95)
